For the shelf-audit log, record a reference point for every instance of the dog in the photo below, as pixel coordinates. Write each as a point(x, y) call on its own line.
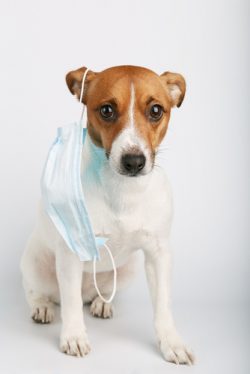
point(128, 111)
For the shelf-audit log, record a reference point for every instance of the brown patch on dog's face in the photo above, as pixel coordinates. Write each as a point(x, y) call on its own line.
point(108, 96)
point(150, 93)
point(111, 87)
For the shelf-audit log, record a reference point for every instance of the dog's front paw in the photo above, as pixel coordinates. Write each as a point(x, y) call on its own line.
point(99, 308)
point(43, 313)
point(174, 351)
point(75, 345)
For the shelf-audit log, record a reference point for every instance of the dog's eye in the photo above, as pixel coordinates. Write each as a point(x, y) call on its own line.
point(156, 111)
point(107, 111)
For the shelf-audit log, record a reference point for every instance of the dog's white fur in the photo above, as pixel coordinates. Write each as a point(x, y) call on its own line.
point(135, 213)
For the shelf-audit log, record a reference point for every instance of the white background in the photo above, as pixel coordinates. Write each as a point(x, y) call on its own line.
point(207, 161)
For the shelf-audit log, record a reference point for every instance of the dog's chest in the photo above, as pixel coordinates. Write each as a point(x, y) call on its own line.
point(128, 212)
point(116, 213)
point(123, 226)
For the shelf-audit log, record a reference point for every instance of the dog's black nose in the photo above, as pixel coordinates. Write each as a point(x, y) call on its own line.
point(133, 163)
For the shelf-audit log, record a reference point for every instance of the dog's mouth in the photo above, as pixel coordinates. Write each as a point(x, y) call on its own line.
point(128, 174)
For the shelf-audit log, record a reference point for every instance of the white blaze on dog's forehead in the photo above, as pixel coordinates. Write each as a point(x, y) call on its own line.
point(129, 136)
point(132, 106)
point(130, 133)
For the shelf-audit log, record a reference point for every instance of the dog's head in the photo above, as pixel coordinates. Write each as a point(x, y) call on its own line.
point(128, 110)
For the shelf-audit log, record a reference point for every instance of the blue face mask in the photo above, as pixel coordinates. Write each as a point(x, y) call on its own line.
point(63, 195)
point(63, 198)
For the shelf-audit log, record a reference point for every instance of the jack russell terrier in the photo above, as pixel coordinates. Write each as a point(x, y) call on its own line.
point(128, 110)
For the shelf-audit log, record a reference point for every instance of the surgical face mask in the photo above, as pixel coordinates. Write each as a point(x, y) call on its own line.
point(62, 194)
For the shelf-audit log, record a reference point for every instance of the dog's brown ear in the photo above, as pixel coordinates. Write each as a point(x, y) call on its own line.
point(74, 82)
point(176, 87)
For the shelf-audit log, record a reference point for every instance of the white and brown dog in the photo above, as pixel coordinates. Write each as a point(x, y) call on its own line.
point(128, 110)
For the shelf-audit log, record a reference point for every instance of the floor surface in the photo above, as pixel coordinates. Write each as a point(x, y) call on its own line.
point(218, 334)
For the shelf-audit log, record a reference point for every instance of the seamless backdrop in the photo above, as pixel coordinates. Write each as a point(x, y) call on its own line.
point(206, 159)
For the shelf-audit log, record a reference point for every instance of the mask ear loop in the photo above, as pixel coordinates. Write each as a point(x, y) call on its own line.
point(114, 277)
point(81, 94)
point(105, 245)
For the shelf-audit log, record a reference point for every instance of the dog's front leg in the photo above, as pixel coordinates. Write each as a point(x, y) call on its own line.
point(69, 271)
point(157, 264)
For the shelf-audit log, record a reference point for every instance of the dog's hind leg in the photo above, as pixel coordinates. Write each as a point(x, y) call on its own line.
point(39, 280)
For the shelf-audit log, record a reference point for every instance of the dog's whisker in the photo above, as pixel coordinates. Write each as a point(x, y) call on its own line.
point(164, 148)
